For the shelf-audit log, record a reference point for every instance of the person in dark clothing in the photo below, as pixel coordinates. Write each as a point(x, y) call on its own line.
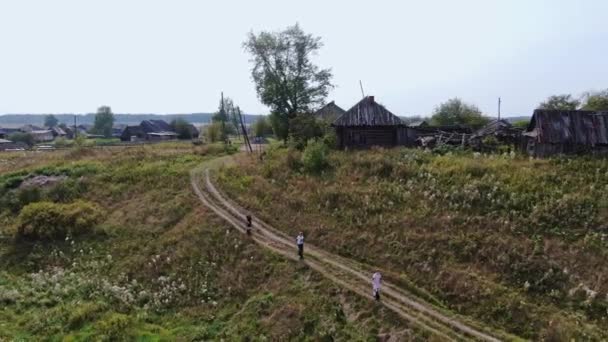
point(248, 224)
point(300, 243)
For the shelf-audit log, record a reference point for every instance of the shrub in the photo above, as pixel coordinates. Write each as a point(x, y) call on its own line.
point(48, 221)
point(303, 128)
point(213, 132)
point(293, 159)
point(262, 127)
point(26, 138)
point(314, 157)
point(114, 327)
point(66, 191)
point(330, 139)
point(182, 128)
point(62, 142)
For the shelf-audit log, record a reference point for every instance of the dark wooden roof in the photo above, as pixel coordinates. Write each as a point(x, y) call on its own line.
point(368, 113)
point(132, 131)
point(155, 126)
point(569, 127)
point(330, 112)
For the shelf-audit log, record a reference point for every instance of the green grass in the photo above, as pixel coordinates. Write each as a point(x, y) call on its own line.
point(159, 266)
point(502, 238)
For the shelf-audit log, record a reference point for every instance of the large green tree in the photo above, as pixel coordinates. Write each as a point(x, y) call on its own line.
point(456, 112)
point(285, 77)
point(50, 121)
point(104, 120)
point(560, 102)
point(597, 100)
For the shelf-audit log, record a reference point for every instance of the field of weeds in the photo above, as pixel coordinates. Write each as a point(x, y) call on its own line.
point(133, 255)
point(521, 244)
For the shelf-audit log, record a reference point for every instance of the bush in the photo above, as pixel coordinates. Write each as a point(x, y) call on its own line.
point(314, 157)
point(26, 138)
point(262, 127)
point(182, 128)
point(48, 221)
point(302, 128)
point(62, 142)
point(213, 132)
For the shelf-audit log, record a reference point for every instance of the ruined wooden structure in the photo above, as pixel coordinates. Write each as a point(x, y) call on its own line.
point(500, 131)
point(553, 132)
point(368, 124)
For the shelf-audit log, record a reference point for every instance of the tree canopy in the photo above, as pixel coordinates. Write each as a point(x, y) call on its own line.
point(104, 120)
point(456, 112)
point(560, 102)
point(285, 77)
point(50, 121)
point(596, 100)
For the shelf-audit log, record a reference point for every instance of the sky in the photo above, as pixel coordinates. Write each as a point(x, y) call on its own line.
point(152, 56)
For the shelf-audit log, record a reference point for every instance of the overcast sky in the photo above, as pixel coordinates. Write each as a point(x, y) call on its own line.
point(145, 56)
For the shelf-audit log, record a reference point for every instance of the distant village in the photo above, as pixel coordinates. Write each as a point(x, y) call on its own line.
point(147, 130)
point(368, 123)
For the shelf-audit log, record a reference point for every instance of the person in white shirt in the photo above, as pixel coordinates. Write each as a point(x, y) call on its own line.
point(376, 279)
point(300, 243)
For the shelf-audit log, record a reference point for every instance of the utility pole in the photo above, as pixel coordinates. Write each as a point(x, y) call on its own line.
point(499, 108)
point(75, 130)
point(245, 135)
point(223, 117)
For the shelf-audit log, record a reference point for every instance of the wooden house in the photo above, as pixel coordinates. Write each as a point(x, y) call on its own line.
point(329, 113)
point(152, 130)
point(553, 132)
point(368, 124)
point(133, 133)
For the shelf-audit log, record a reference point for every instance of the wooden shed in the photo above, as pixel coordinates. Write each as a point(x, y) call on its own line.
point(368, 124)
point(553, 132)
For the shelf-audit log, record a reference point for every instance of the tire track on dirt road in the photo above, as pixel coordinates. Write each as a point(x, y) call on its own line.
point(344, 272)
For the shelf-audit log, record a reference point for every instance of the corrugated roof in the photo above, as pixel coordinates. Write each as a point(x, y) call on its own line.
point(368, 113)
point(570, 126)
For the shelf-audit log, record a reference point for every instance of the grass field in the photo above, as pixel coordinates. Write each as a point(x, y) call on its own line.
point(155, 265)
point(518, 243)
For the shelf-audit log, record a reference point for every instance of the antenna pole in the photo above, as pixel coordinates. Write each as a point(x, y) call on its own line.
point(361, 85)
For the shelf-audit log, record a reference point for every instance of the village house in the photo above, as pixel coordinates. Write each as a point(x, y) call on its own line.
point(329, 113)
point(553, 132)
point(7, 145)
point(368, 124)
point(151, 130)
point(58, 132)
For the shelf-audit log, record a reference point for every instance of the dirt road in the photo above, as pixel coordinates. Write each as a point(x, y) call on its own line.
point(349, 274)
